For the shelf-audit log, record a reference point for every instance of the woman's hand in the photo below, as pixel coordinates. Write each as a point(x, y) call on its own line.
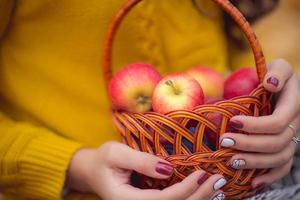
point(107, 170)
point(272, 146)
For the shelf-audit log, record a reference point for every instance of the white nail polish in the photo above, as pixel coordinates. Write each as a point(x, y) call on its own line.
point(236, 164)
point(220, 183)
point(227, 142)
point(220, 196)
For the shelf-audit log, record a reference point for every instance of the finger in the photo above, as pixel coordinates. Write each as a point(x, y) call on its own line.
point(279, 71)
point(287, 108)
point(121, 156)
point(209, 189)
point(257, 143)
point(185, 188)
point(272, 176)
point(178, 191)
point(219, 195)
point(263, 161)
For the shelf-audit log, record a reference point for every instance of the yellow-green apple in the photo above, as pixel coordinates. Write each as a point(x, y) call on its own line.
point(240, 82)
point(131, 88)
point(177, 92)
point(211, 81)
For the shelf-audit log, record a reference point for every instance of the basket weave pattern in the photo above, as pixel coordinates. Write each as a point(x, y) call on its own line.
point(170, 137)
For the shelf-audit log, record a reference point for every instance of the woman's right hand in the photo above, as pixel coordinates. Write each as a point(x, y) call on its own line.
point(106, 171)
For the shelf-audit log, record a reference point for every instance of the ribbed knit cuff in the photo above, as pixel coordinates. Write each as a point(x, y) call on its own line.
point(43, 166)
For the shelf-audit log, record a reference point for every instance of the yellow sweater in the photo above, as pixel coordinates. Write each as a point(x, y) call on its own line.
point(52, 97)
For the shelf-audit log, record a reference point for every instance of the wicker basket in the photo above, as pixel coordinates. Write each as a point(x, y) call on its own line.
point(150, 132)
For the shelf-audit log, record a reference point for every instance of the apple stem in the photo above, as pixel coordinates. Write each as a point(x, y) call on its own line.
point(171, 84)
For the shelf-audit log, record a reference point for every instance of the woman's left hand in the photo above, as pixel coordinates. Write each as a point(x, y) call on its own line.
point(272, 147)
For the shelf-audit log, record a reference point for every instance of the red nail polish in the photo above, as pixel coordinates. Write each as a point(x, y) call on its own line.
point(236, 124)
point(274, 81)
point(164, 168)
point(203, 178)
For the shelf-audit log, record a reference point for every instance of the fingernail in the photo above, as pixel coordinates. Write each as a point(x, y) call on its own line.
point(164, 168)
point(236, 164)
point(274, 81)
point(203, 178)
point(220, 183)
point(227, 142)
point(259, 186)
point(236, 124)
point(220, 196)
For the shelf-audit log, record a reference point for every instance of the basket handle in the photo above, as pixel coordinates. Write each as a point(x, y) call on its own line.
point(226, 5)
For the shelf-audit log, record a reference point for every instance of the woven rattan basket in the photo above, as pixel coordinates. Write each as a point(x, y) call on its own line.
point(149, 132)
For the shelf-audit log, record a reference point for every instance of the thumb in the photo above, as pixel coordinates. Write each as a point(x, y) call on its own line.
point(279, 72)
point(124, 157)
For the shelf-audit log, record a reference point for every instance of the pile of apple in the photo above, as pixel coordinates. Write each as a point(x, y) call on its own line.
point(140, 88)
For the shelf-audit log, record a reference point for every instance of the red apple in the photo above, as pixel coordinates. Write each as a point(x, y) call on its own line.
point(131, 88)
point(211, 81)
point(176, 92)
point(211, 100)
point(240, 82)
